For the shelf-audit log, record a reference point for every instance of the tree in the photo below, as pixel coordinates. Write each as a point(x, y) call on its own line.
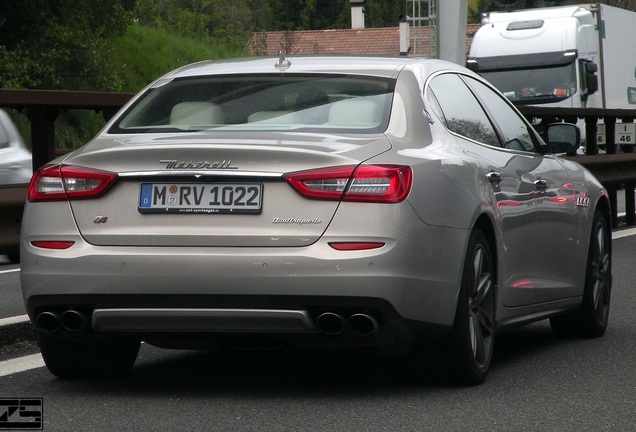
point(60, 44)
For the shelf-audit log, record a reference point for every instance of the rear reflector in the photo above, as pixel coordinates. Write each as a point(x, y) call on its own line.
point(366, 183)
point(52, 244)
point(62, 182)
point(355, 246)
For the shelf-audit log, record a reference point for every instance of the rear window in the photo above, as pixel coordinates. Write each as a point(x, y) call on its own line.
point(321, 103)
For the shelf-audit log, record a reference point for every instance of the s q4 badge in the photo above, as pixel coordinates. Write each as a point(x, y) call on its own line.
point(100, 219)
point(583, 201)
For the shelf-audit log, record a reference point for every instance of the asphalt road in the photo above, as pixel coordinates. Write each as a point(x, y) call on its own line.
point(538, 383)
point(11, 303)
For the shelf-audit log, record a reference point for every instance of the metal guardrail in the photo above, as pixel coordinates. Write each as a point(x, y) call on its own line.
point(616, 170)
point(43, 106)
point(615, 167)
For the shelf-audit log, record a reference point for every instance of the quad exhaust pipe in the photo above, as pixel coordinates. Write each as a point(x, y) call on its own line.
point(359, 323)
point(70, 320)
point(331, 323)
point(363, 324)
point(48, 321)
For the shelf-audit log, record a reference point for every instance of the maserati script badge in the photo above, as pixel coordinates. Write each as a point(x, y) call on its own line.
point(174, 164)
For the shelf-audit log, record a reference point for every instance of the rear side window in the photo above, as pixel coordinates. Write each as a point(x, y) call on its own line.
point(460, 111)
point(516, 135)
point(300, 102)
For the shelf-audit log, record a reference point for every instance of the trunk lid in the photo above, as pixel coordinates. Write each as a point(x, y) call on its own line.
point(217, 183)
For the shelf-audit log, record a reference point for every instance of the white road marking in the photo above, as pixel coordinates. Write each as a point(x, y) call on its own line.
point(21, 364)
point(14, 320)
point(623, 233)
point(10, 271)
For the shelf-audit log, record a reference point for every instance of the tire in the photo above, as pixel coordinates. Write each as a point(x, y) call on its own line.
point(471, 342)
point(106, 358)
point(591, 319)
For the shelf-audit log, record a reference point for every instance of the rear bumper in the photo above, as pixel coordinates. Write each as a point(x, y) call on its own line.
point(419, 281)
point(185, 321)
point(408, 286)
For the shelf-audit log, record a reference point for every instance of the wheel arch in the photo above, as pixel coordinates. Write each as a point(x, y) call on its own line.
point(486, 225)
point(603, 205)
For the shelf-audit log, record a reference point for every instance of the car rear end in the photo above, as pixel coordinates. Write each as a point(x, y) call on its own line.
point(263, 217)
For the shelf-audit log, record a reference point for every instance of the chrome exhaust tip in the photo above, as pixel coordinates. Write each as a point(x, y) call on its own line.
point(330, 323)
point(47, 321)
point(72, 320)
point(362, 324)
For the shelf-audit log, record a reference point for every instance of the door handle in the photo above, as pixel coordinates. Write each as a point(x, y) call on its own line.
point(494, 177)
point(540, 184)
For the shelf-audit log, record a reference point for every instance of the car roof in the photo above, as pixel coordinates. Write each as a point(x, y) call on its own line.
point(363, 65)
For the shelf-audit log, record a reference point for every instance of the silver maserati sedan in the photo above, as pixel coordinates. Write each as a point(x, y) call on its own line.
point(345, 201)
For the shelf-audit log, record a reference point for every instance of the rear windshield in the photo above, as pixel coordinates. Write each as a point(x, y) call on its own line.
point(321, 103)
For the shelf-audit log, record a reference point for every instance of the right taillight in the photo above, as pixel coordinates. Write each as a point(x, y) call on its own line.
point(365, 183)
point(66, 182)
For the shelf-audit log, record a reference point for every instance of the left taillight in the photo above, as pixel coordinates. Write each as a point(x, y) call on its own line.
point(67, 182)
point(365, 183)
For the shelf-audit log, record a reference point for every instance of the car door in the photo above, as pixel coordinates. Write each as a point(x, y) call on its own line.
point(553, 235)
point(521, 179)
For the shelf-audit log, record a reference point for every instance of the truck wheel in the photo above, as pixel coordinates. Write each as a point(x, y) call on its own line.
point(591, 319)
point(471, 342)
point(106, 358)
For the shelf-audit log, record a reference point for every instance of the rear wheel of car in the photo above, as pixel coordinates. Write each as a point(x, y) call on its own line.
point(105, 358)
point(471, 342)
point(591, 319)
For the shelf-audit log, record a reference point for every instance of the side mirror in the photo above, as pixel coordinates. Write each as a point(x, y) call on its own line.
point(590, 79)
point(563, 138)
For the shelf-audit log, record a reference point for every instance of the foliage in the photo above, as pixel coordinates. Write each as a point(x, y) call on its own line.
point(71, 47)
point(216, 21)
point(143, 54)
point(122, 45)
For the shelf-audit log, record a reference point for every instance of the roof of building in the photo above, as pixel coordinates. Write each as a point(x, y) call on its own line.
point(367, 41)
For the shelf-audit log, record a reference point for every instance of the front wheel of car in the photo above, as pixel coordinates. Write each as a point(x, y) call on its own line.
point(591, 319)
point(471, 342)
point(106, 358)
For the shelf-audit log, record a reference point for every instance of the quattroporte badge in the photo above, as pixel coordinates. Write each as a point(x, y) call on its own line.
point(583, 201)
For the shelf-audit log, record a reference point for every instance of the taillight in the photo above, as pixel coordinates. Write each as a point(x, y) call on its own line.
point(52, 244)
point(66, 182)
point(367, 183)
point(355, 246)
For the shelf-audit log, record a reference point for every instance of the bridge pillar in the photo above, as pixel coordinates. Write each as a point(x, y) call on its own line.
point(42, 120)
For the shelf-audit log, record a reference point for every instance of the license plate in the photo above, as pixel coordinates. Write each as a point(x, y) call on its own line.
point(200, 198)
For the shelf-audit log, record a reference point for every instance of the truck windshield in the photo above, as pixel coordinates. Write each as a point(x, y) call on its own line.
point(535, 85)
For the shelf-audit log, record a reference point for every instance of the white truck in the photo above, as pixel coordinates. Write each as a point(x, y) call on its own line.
point(569, 56)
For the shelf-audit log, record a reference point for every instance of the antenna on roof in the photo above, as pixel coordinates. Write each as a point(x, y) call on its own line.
point(283, 64)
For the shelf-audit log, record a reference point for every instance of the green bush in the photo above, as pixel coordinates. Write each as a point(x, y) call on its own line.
point(143, 54)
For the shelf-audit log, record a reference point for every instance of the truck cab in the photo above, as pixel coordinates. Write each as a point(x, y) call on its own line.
point(546, 57)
